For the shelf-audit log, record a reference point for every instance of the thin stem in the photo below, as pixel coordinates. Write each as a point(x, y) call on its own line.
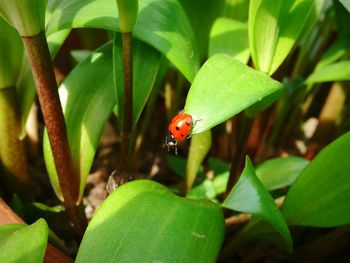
point(238, 158)
point(42, 69)
point(12, 155)
point(128, 101)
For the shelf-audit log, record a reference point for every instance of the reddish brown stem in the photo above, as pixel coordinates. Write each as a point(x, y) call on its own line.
point(128, 101)
point(42, 69)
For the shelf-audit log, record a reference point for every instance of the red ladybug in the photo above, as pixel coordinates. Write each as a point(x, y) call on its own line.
point(179, 130)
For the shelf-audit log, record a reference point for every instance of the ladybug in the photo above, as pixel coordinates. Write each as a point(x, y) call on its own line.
point(179, 130)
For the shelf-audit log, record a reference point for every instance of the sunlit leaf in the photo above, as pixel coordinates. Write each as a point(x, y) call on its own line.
point(280, 172)
point(142, 221)
point(230, 37)
point(224, 87)
point(333, 72)
point(161, 23)
point(23, 243)
point(320, 195)
point(274, 27)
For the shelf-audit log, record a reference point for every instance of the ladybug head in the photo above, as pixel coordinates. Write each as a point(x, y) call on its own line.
point(170, 141)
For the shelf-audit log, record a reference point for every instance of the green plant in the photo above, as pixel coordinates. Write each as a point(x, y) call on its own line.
point(256, 70)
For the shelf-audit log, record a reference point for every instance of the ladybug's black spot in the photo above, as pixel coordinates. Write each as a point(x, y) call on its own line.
point(177, 128)
point(187, 123)
point(182, 135)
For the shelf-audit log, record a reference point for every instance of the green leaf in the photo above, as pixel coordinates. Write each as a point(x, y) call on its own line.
point(210, 188)
point(249, 196)
point(346, 4)
point(200, 145)
point(259, 229)
point(280, 172)
point(230, 37)
point(11, 52)
point(87, 97)
point(237, 9)
point(23, 244)
point(320, 196)
point(224, 87)
point(27, 16)
point(335, 52)
point(333, 72)
point(145, 67)
point(274, 27)
point(79, 55)
point(202, 14)
point(127, 11)
point(142, 221)
point(161, 23)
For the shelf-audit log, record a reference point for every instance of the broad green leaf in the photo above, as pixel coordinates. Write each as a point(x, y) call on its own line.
point(23, 244)
point(224, 87)
point(320, 195)
point(280, 172)
point(87, 97)
point(145, 67)
point(230, 37)
point(202, 14)
point(333, 72)
point(161, 23)
point(11, 52)
point(274, 27)
point(142, 221)
point(250, 196)
point(200, 145)
point(346, 4)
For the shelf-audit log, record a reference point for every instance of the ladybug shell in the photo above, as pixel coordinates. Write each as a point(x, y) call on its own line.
point(180, 126)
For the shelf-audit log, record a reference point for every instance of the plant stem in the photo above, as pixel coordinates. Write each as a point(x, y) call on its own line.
point(42, 69)
point(238, 158)
point(12, 154)
point(128, 101)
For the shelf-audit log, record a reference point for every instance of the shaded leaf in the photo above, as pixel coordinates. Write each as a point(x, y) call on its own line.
point(346, 4)
point(11, 52)
point(142, 221)
point(320, 195)
point(225, 86)
point(161, 23)
point(200, 145)
point(145, 67)
point(249, 196)
point(201, 14)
